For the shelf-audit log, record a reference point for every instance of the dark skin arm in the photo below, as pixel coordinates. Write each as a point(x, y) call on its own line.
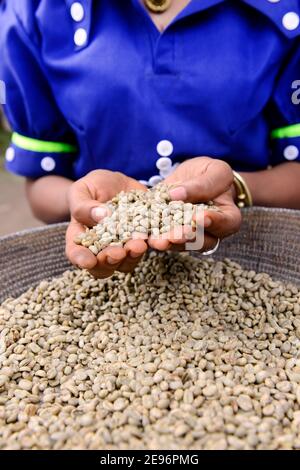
point(277, 187)
point(53, 198)
point(47, 197)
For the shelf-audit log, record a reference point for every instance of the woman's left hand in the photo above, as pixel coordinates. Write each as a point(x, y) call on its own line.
point(200, 180)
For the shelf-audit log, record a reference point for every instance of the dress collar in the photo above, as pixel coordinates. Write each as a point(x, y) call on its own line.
point(285, 14)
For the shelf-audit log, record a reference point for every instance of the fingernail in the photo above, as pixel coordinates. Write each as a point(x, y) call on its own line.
point(80, 261)
point(112, 261)
point(98, 213)
point(207, 222)
point(178, 194)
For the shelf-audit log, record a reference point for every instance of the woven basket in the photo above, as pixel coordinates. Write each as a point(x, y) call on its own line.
point(269, 241)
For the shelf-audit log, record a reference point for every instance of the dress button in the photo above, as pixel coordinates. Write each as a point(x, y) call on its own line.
point(166, 172)
point(164, 163)
point(291, 152)
point(48, 164)
point(273, 1)
point(10, 154)
point(165, 148)
point(80, 37)
point(77, 11)
point(155, 180)
point(291, 21)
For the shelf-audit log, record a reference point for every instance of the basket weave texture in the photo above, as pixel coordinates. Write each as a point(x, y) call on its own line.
point(269, 241)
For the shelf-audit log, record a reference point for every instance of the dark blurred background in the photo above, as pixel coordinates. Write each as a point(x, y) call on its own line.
point(15, 214)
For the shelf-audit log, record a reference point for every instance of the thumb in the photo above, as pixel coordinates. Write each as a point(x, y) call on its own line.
point(193, 191)
point(84, 208)
point(204, 188)
point(90, 212)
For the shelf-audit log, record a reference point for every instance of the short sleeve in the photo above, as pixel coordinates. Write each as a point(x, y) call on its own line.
point(284, 112)
point(42, 141)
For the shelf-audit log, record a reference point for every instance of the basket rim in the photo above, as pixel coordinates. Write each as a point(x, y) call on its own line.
point(30, 231)
point(45, 228)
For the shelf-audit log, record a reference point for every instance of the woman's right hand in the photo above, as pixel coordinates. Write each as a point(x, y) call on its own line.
point(86, 199)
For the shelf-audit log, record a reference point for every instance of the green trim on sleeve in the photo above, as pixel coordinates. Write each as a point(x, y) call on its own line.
point(42, 146)
point(286, 132)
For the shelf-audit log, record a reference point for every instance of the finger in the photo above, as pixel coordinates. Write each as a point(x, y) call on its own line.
point(108, 261)
point(159, 243)
point(181, 234)
point(223, 223)
point(135, 250)
point(111, 256)
point(178, 235)
point(84, 207)
point(208, 244)
point(129, 264)
point(87, 197)
point(216, 180)
point(78, 255)
point(132, 183)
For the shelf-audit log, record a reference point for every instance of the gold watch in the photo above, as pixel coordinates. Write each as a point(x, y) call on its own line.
point(243, 194)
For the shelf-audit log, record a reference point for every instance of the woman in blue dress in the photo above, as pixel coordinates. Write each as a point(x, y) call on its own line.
point(110, 95)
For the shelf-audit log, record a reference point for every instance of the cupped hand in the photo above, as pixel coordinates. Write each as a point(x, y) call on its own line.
point(86, 199)
point(200, 180)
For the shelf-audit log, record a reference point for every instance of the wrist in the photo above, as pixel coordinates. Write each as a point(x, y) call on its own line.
point(242, 192)
point(257, 185)
point(48, 198)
